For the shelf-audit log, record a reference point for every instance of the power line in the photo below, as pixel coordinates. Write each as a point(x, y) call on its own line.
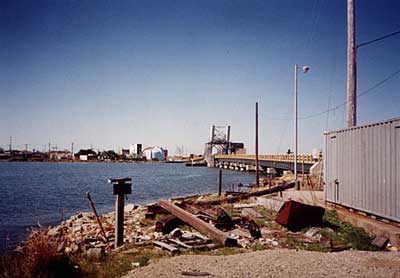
point(378, 39)
point(358, 95)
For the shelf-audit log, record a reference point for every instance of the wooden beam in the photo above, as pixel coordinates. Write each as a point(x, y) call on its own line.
point(198, 224)
point(271, 190)
point(166, 246)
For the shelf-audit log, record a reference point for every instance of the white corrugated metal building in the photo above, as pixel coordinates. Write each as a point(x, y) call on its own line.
point(362, 168)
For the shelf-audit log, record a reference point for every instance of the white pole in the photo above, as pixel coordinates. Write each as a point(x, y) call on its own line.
point(295, 124)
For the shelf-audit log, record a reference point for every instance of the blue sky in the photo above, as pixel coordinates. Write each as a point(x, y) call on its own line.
point(110, 73)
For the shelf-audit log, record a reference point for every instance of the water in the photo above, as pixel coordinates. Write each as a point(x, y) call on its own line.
point(39, 193)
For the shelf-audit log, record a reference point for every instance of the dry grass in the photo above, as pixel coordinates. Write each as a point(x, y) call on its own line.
point(37, 258)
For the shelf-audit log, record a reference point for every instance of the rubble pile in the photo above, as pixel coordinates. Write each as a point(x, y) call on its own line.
point(82, 234)
point(193, 224)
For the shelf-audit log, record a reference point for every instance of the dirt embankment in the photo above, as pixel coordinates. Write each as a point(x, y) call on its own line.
point(277, 263)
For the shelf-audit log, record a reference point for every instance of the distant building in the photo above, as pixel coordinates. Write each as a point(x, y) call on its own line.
point(124, 153)
point(60, 155)
point(85, 155)
point(155, 153)
point(135, 150)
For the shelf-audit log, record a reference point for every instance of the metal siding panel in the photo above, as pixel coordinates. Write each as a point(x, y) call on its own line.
point(366, 161)
point(341, 175)
point(397, 163)
point(359, 166)
point(393, 184)
point(386, 158)
point(364, 167)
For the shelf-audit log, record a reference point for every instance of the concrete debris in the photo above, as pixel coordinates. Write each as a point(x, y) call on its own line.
point(274, 204)
point(241, 206)
point(251, 213)
point(81, 233)
point(313, 233)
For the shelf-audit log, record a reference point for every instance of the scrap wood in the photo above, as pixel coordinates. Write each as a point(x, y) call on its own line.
point(168, 224)
point(193, 273)
point(163, 245)
point(156, 209)
point(232, 199)
point(199, 224)
point(201, 246)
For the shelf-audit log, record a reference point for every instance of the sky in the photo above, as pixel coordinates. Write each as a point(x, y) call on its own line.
point(111, 73)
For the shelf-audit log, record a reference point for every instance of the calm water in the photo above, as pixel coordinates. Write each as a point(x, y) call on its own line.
point(32, 193)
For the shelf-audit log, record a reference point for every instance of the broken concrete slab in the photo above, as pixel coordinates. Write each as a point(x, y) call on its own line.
point(270, 203)
point(252, 213)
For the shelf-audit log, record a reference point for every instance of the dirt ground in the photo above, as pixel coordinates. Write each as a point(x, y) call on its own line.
point(277, 263)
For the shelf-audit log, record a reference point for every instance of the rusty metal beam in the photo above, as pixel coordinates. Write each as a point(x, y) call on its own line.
point(198, 224)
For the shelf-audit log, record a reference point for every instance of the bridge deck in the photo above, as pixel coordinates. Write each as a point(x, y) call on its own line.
point(279, 162)
point(302, 158)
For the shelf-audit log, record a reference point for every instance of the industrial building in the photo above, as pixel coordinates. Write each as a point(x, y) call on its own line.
point(155, 153)
point(135, 150)
point(362, 168)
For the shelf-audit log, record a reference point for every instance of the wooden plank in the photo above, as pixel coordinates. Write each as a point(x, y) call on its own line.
point(248, 195)
point(166, 246)
point(199, 224)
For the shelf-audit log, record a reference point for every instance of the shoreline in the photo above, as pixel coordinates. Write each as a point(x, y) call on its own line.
point(149, 239)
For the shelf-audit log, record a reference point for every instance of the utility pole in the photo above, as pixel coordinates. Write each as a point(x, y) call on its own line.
point(72, 151)
point(257, 162)
point(10, 144)
point(351, 66)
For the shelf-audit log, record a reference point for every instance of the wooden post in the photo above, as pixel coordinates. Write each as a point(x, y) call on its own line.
point(119, 220)
point(351, 66)
point(219, 182)
point(121, 187)
point(302, 171)
point(257, 162)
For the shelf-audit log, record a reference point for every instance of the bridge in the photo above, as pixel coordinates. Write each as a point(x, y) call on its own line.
point(280, 163)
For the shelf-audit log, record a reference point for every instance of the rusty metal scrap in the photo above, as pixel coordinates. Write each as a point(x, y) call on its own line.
point(295, 215)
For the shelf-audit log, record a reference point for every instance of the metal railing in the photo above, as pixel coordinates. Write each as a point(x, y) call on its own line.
point(306, 158)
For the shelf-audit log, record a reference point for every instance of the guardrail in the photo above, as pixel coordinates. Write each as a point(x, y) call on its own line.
point(306, 158)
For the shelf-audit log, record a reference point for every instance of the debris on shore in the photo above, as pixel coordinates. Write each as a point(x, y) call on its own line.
point(206, 222)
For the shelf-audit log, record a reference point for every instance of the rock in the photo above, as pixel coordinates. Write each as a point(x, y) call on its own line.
point(53, 231)
point(135, 264)
point(393, 249)
point(61, 247)
point(74, 247)
point(238, 233)
point(129, 207)
point(313, 233)
point(95, 253)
